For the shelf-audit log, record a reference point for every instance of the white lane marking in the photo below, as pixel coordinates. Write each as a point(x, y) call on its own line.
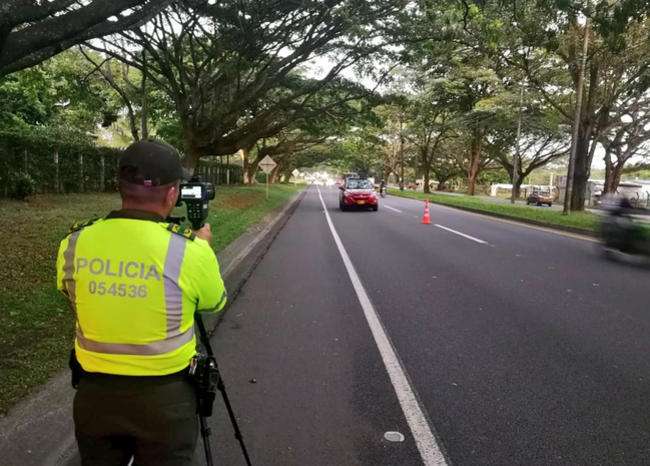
point(513, 222)
point(417, 421)
point(462, 234)
point(393, 208)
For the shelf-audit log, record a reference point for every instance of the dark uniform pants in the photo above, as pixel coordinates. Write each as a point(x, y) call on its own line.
point(150, 418)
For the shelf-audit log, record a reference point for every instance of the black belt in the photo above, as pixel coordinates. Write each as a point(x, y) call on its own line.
point(78, 373)
point(182, 374)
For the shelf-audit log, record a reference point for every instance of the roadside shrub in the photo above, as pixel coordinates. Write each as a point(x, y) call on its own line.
point(22, 186)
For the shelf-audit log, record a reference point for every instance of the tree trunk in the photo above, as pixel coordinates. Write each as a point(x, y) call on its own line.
point(133, 125)
point(190, 161)
point(426, 170)
point(275, 174)
point(582, 172)
point(245, 153)
point(613, 177)
point(609, 175)
point(250, 166)
point(442, 185)
point(192, 153)
point(516, 187)
point(143, 89)
point(618, 172)
point(474, 161)
point(401, 162)
point(427, 179)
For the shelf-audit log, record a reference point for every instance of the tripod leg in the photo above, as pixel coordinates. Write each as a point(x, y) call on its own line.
point(205, 435)
point(233, 420)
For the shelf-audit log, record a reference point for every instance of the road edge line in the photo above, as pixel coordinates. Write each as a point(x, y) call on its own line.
point(416, 419)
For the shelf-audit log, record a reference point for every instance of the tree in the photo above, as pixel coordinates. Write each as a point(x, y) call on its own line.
point(59, 92)
point(32, 31)
point(431, 125)
point(230, 69)
point(543, 39)
point(130, 85)
point(625, 140)
point(543, 137)
point(450, 161)
point(328, 113)
point(471, 80)
point(536, 152)
point(392, 134)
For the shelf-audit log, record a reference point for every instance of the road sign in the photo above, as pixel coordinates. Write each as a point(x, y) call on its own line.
point(295, 172)
point(267, 164)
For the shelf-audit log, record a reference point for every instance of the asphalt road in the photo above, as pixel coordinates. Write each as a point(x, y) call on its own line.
point(521, 346)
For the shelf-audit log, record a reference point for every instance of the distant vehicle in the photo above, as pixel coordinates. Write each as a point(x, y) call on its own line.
point(359, 193)
point(540, 198)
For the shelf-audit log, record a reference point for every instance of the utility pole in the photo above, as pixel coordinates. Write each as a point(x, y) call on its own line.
point(517, 158)
point(576, 122)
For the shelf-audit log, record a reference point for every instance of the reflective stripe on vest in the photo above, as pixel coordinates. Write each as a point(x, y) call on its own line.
point(68, 271)
point(173, 305)
point(173, 293)
point(148, 349)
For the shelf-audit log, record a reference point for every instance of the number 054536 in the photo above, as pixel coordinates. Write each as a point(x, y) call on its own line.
point(122, 290)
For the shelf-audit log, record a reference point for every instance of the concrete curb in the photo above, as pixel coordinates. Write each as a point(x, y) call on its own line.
point(39, 430)
point(524, 221)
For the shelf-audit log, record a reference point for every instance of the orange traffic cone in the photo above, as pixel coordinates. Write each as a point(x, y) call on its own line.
point(426, 218)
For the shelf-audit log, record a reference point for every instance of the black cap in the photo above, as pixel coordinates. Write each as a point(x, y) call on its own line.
point(150, 163)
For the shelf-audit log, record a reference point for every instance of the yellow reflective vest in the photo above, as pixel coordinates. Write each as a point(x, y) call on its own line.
point(134, 284)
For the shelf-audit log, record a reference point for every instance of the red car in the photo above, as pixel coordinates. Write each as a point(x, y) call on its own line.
point(358, 192)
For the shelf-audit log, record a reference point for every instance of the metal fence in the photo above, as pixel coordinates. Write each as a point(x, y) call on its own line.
point(220, 174)
point(68, 167)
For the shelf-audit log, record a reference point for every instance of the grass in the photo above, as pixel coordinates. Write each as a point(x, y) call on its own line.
point(581, 221)
point(236, 209)
point(35, 320)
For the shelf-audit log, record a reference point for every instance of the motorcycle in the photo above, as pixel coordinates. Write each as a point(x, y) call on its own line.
point(623, 232)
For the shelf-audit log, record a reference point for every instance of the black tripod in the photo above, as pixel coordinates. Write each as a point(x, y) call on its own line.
point(213, 370)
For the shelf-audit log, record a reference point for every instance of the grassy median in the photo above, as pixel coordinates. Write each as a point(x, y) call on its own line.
point(579, 221)
point(35, 320)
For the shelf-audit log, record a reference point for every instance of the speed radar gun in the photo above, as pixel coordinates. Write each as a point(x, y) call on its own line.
point(204, 372)
point(196, 195)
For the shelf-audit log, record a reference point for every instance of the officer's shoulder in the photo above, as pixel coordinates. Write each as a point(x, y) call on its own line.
point(184, 232)
point(83, 224)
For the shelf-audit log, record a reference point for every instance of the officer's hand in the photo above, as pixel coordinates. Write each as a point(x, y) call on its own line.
point(204, 233)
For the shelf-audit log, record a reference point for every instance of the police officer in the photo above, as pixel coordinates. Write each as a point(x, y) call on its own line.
point(134, 282)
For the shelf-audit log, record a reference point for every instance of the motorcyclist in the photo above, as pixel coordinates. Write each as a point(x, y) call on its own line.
point(622, 231)
point(382, 188)
point(624, 206)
